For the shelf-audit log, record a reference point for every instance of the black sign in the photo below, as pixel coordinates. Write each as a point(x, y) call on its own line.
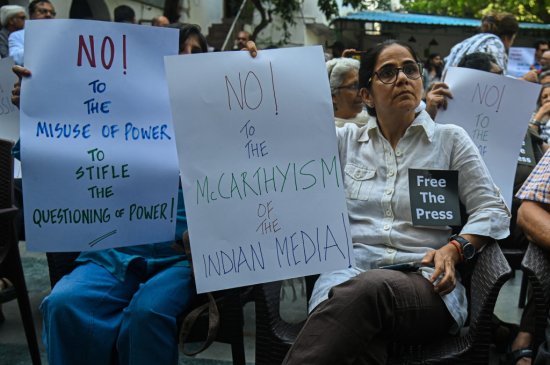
point(527, 153)
point(434, 197)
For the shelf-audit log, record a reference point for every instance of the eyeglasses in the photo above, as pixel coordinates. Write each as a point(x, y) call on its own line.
point(388, 74)
point(44, 11)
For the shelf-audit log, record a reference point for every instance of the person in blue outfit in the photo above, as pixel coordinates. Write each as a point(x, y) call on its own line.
point(120, 306)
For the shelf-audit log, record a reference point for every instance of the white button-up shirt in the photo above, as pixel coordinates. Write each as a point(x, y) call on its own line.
point(377, 191)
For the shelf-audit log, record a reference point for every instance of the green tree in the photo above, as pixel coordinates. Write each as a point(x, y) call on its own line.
point(288, 9)
point(537, 11)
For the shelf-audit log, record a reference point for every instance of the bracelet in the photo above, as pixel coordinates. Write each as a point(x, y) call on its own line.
point(458, 249)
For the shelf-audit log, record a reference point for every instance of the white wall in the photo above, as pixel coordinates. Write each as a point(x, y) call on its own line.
point(203, 13)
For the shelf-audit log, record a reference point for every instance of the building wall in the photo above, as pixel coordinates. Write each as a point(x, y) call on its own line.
point(353, 34)
point(203, 13)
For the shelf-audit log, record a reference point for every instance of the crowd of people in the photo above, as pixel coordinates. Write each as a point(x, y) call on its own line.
point(124, 302)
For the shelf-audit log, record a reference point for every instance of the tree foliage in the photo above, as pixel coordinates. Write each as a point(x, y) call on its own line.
point(287, 10)
point(537, 11)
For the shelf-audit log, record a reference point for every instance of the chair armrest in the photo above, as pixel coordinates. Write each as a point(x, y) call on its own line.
point(490, 272)
point(536, 265)
point(274, 336)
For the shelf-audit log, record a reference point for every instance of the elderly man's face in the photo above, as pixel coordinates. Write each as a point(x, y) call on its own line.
point(43, 11)
point(242, 38)
point(18, 20)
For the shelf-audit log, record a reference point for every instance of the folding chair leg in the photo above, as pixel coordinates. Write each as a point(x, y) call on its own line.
point(24, 304)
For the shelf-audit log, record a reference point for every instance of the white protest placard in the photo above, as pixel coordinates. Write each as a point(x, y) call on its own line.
point(495, 111)
point(260, 169)
point(520, 60)
point(97, 144)
point(9, 114)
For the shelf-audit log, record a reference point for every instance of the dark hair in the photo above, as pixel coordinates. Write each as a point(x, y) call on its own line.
point(538, 42)
point(124, 14)
point(32, 5)
point(188, 30)
point(428, 65)
point(368, 62)
point(501, 24)
point(478, 61)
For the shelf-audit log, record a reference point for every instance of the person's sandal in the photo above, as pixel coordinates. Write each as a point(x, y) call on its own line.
point(514, 356)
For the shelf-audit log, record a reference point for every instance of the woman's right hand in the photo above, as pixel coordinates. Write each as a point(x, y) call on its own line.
point(16, 91)
point(437, 98)
point(444, 261)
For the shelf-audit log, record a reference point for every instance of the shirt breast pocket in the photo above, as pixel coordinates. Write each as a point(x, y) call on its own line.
point(358, 181)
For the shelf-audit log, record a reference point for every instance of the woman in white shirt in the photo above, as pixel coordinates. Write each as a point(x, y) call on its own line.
point(357, 312)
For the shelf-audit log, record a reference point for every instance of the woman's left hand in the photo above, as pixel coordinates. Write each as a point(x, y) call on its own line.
point(437, 98)
point(444, 261)
point(251, 48)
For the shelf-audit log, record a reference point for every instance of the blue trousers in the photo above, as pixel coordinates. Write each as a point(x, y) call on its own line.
point(91, 317)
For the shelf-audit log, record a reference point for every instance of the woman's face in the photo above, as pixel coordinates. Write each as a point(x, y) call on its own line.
point(404, 94)
point(346, 99)
point(191, 45)
point(545, 96)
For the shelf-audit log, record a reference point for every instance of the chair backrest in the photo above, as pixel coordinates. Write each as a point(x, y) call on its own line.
point(536, 264)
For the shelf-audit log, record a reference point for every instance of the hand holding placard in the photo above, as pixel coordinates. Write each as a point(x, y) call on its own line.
point(263, 149)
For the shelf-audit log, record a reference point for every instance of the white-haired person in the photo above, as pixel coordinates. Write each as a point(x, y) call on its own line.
point(12, 18)
point(343, 76)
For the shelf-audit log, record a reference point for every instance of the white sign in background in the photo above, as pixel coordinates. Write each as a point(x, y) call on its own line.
point(260, 169)
point(495, 111)
point(520, 60)
point(9, 114)
point(97, 143)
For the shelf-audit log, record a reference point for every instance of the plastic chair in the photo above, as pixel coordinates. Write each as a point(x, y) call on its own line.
point(483, 279)
point(536, 266)
point(514, 256)
point(10, 260)
point(230, 306)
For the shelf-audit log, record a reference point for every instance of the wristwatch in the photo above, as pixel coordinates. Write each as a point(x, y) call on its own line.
point(468, 250)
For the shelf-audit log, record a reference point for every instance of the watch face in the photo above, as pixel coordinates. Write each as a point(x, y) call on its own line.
point(469, 251)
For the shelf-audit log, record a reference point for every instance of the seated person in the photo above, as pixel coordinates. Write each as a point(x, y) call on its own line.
point(534, 219)
point(120, 306)
point(343, 77)
point(356, 313)
point(520, 353)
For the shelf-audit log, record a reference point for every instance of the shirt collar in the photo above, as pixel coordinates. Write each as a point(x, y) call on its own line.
point(422, 120)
